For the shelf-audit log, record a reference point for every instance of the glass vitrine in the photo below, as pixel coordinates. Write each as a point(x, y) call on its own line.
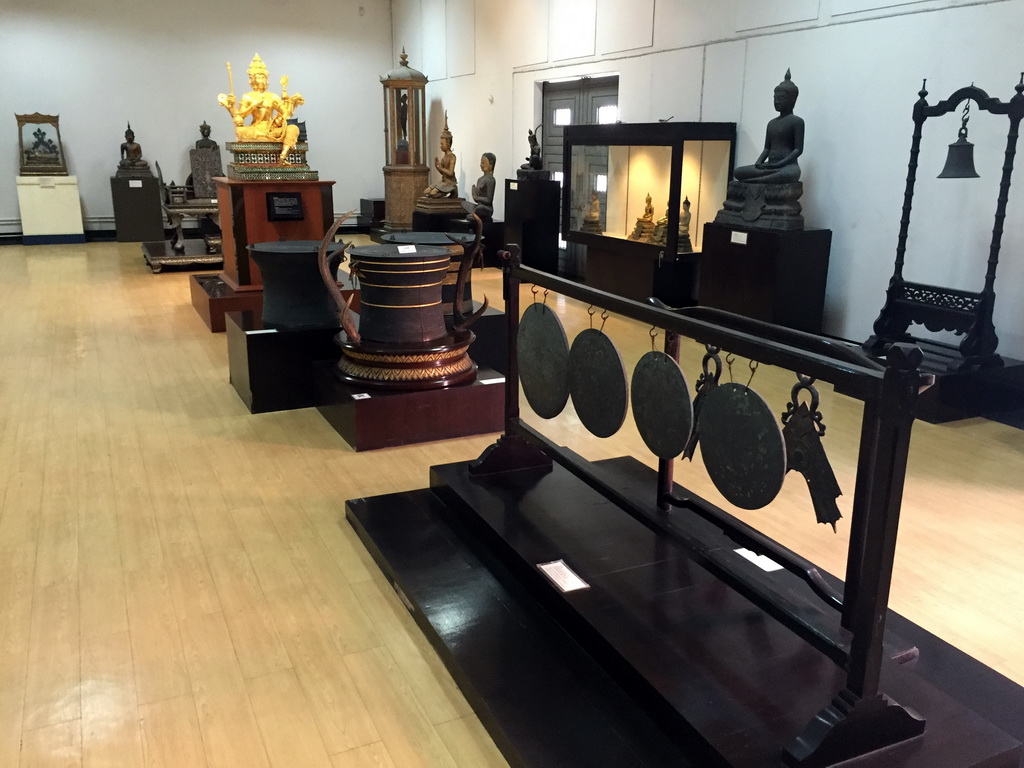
point(637, 196)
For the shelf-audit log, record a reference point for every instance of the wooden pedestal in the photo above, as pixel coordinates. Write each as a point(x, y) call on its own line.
point(212, 297)
point(374, 418)
point(778, 277)
point(244, 221)
point(272, 370)
point(160, 255)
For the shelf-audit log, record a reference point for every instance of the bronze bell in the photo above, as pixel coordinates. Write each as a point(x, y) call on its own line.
point(960, 157)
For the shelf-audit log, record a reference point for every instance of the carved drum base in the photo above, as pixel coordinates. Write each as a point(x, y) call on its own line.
point(430, 365)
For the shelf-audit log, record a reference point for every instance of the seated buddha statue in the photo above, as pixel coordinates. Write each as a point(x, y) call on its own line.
point(766, 195)
point(132, 163)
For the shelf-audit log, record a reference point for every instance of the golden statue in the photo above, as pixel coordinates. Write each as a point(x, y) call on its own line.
point(269, 111)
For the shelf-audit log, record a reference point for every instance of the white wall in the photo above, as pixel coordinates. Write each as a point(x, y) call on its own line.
point(859, 66)
point(99, 64)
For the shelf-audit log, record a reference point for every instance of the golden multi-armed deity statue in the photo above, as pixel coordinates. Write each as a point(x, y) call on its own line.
point(269, 112)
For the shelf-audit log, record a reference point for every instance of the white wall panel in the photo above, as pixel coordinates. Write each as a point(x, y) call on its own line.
point(724, 73)
point(759, 14)
point(460, 37)
point(624, 25)
point(572, 29)
point(435, 39)
point(529, 24)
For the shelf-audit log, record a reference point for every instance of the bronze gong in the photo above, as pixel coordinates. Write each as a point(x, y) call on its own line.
point(543, 354)
point(661, 404)
point(597, 383)
point(742, 446)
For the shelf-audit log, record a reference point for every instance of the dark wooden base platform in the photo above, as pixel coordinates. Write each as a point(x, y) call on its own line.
point(272, 370)
point(995, 393)
point(212, 297)
point(369, 418)
point(159, 255)
point(724, 683)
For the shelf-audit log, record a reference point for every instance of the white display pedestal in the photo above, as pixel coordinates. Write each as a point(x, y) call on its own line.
point(51, 211)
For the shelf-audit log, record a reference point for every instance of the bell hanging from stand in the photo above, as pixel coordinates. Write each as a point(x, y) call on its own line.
point(960, 157)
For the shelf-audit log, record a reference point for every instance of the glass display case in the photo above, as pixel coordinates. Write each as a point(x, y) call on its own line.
point(637, 196)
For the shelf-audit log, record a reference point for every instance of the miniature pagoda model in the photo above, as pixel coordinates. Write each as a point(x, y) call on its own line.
point(268, 148)
point(405, 174)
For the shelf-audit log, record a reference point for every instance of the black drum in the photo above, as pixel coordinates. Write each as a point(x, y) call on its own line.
point(400, 292)
point(457, 250)
point(294, 295)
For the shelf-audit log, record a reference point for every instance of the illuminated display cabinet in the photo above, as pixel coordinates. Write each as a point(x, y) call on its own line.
point(635, 248)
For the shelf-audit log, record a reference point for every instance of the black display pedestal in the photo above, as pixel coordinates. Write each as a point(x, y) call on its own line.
point(490, 350)
point(369, 418)
point(673, 667)
point(270, 369)
point(637, 270)
point(137, 213)
point(424, 221)
point(778, 277)
point(532, 207)
point(994, 392)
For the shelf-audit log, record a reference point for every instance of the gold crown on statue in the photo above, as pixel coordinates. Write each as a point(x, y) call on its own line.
point(446, 134)
point(257, 66)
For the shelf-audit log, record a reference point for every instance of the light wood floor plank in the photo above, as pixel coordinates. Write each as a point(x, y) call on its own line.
point(111, 732)
point(408, 733)
point(53, 746)
point(226, 720)
point(53, 680)
point(337, 706)
point(286, 722)
point(470, 745)
point(371, 756)
point(160, 669)
point(170, 731)
point(426, 675)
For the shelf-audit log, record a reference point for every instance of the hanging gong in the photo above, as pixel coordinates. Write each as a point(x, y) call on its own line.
point(742, 446)
point(661, 404)
point(543, 353)
point(597, 383)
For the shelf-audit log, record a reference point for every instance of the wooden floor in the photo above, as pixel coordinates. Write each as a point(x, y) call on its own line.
point(178, 587)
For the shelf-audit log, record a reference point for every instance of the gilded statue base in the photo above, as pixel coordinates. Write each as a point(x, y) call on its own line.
point(593, 226)
point(643, 231)
point(260, 161)
point(774, 207)
point(452, 205)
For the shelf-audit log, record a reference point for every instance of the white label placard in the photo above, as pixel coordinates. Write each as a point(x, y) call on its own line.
point(498, 380)
point(135, 183)
point(407, 249)
point(740, 238)
point(360, 396)
point(764, 563)
point(562, 576)
point(513, 185)
point(47, 182)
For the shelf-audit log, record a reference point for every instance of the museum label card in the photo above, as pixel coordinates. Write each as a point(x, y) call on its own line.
point(562, 576)
point(135, 183)
point(407, 249)
point(740, 238)
point(764, 563)
point(498, 380)
point(360, 396)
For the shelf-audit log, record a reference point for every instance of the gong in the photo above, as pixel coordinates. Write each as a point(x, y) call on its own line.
point(597, 383)
point(543, 353)
point(661, 404)
point(742, 446)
